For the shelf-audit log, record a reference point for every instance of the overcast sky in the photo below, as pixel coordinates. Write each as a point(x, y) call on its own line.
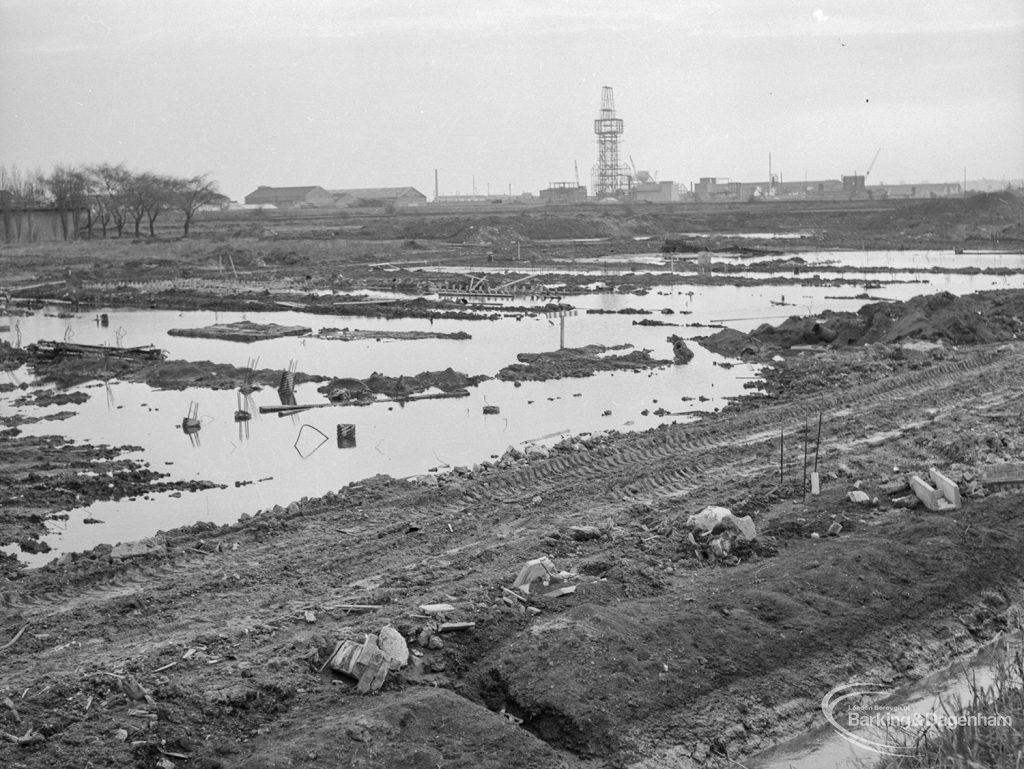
point(343, 93)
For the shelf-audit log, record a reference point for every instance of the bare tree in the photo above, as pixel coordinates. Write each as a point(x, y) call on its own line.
point(68, 186)
point(7, 193)
point(191, 194)
point(158, 196)
point(135, 199)
point(110, 194)
point(33, 191)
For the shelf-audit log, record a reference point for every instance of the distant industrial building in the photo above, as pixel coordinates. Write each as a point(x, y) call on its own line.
point(291, 197)
point(318, 197)
point(645, 189)
point(470, 199)
point(940, 190)
point(712, 189)
point(563, 193)
point(523, 198)
point(378, 197)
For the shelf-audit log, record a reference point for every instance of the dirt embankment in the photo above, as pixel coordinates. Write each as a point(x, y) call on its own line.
point(981, 318)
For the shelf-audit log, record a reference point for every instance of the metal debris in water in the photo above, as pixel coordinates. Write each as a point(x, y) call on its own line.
point(191, 425)
point(249, 379)
point(243, 415)
point(286, 390)
point(314, 449)
point(346, 436)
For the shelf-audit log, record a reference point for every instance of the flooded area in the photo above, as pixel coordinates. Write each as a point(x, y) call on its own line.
point(272, 460)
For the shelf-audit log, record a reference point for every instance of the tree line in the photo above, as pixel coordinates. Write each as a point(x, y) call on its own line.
point(99, 200)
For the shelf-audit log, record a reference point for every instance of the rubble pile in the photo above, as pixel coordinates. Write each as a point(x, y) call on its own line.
point(984, 317)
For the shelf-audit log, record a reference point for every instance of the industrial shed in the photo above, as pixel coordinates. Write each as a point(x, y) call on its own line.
point(378, 197)
point(291, 197)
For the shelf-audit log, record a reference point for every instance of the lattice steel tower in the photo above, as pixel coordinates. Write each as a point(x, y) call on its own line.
point(608, 177)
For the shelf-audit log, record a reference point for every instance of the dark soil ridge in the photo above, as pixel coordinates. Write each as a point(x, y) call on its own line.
point(980, 318)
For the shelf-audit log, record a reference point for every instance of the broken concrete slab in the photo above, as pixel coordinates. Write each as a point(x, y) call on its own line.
point(365, 662)
point(448, 627)
point(858, 497)
point(932, 498)
point(436, 608)
point(1005, 475)
point(949, 489)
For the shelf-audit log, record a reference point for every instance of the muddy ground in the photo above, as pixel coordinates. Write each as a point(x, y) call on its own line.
point(207, 650)
point(47, 473)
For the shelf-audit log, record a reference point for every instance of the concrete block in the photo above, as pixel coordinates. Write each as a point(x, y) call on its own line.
point(949, 490)
point(925, 492)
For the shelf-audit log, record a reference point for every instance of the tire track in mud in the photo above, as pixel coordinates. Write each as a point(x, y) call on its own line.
point(657, 458)
point(255, 557)
point(668, 462)
point(109, 586)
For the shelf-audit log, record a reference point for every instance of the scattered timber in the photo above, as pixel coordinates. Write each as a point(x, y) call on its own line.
point(49, 349)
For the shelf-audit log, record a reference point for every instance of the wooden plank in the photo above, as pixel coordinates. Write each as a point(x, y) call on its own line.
point(436, 608)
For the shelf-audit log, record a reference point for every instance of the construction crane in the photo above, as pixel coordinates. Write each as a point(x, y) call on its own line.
point(872, 164)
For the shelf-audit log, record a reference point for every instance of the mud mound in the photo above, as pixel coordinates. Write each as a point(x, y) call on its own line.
point(242, 331)
point(990, 316)
point(833, 328)
point(355, 334)
point(448, 380)
point(364, 390)
point(981, 318)
point(732, 343)
point(576, 362)
point(419, 727)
